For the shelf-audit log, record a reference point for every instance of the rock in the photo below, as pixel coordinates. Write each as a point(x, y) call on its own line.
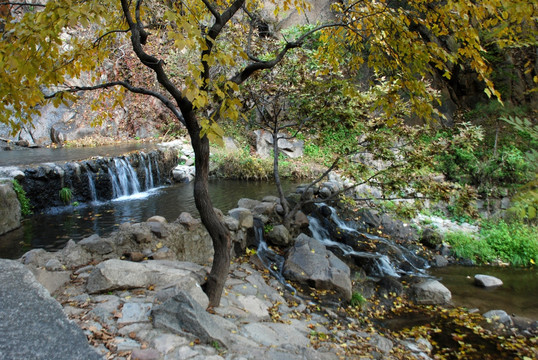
point(248, 203)
point(431, 238)
point(279, 236)
point(309, 262)
point(264, 145)
point(157, 219)
point(51, 280)
point(135, 313)
point(301, 220)
point(244, 216)
point(96, 245)
point(430, 292)
point(500, 316)
point(145, 354)
point(10, 208)
point(182, 315)
point(118, 274)
point(184, 173)
point(159, 229)
point(487, 281)
point(439, 261)
point(188, 221)
point(381, 343)
point(231, 223)
point(54, 265)
point(33, 324)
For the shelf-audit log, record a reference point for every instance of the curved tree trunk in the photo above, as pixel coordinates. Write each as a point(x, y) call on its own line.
point(218, 232)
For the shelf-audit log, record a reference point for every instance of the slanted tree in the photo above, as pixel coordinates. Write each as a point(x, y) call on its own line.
point(44, 47)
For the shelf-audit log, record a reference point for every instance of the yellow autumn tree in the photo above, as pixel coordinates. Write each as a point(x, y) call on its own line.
point(217, 44)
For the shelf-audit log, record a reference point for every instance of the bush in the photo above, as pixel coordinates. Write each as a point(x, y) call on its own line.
point(66, 195)
point(26, 207)
point(514, 242)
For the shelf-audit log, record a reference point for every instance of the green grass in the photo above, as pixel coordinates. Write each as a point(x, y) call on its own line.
point(514, 242)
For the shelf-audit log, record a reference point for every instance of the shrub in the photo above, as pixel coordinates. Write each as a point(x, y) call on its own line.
point(357, 300)
point(66, 195)
point(26, 207)
point(514, 242)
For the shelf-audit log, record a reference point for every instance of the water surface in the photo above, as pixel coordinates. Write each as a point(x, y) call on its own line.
point(518, 295)
point(53, 228)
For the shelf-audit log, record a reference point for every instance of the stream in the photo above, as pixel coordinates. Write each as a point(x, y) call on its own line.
point(53, 228)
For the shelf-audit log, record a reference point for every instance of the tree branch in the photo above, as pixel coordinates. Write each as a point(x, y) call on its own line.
point(21, 4)
point(169, 104)
point(98, 40)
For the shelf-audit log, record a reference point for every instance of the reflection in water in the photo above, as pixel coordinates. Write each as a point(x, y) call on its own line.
point(518, 294)
point(53, 229)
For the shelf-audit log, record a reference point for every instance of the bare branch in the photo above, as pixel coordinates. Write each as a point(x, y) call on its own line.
point(21, 4)
point(138, 90)
point(98, 40)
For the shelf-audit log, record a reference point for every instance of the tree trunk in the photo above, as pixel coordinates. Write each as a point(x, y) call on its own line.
point(218, 232)
point(276, 174)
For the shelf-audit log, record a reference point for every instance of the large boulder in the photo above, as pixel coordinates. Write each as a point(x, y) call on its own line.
point(431, 292)
point(117, 274)
point(10, 208)
point(182, 315)
point(33, 324)
point(279, 236)
point(310, 263)
point(264, 145)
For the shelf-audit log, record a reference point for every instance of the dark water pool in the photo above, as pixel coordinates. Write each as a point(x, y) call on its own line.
point(518, 295)
point(51, 230)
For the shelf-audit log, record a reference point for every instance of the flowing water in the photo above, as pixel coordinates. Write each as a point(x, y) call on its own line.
point(52, 229)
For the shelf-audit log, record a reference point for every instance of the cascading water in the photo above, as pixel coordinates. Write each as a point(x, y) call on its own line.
point(91, 186)
point(271, 260)
point(148, 171)
point(124, 179)
point(379, 256)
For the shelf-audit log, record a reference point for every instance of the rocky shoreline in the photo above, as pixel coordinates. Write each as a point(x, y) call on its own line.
point(137, 294)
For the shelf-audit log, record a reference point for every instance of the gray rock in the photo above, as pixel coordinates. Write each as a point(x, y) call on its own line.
point(248, 203)
point(159, 229)
point(96, 245)
point(145, 354)
point(188, 221)
point(135, 313)
point(431, 292)
point(231, 223)
point(439, 261)
point(33, 324)
point(183, 315)
point(487, 281)
point(500, 316)
point(279, 236)
point(157, 219)
point(54, 265)
point(264, 145)
point(309, 262)
point(118, 274)
point(381, 343)
point(184, 173)
point(51, 280)
point(244, 216)
point(10, 208)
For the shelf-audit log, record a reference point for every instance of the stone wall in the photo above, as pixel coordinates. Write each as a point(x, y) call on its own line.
point(10, 208)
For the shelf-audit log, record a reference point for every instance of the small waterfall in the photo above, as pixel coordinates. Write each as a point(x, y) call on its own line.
point(271, 260)
point(91, 185)
point(124, 179)
point(381, 257)
point(156, 164)
point(148, 173)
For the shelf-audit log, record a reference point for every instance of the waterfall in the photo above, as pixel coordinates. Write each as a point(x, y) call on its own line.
point(383, 258)
point(124, 179)
point(147, 170)
point(157, 170)
point(271, 260)
point(91, 185)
